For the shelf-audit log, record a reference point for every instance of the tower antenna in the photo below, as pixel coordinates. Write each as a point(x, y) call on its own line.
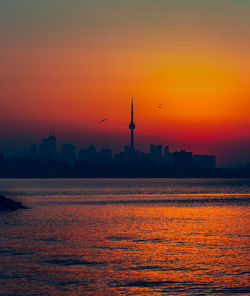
point(132, 126)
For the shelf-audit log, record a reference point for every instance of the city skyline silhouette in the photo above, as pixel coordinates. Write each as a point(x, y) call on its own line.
point(50, 159)
point(43, 149)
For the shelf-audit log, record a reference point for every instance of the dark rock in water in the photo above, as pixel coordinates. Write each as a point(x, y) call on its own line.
point(7, 204)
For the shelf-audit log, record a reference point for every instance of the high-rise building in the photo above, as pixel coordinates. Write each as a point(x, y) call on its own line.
point(183, 159)
point(168, 157)
point(48, 146)
point(132, 127)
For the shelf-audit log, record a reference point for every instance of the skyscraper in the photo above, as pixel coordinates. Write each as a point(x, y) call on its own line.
point(132, 127)
point(48, 146)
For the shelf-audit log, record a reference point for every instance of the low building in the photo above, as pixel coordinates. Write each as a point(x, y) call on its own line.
point(204, 161)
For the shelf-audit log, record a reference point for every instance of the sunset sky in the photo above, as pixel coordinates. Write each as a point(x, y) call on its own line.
point(69, 64)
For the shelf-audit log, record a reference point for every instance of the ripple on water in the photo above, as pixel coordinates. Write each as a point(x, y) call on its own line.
point(14, 253)
point(184, 287)
point(136, 240)
point(69, 262)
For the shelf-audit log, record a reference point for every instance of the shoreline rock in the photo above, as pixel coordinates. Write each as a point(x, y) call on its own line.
point(7, 204)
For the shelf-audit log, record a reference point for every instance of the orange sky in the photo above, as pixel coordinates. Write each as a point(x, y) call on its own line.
point(68, 66)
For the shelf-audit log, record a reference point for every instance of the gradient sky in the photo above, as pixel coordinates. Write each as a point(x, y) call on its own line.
point(69, 64)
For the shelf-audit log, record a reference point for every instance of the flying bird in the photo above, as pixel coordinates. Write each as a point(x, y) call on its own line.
point(103, 120)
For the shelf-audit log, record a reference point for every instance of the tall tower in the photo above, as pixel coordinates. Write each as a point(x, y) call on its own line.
point(132, 127)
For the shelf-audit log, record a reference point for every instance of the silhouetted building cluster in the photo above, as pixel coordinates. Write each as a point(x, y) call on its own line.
point(45, 160)
point(178, 159)
point(91, 155)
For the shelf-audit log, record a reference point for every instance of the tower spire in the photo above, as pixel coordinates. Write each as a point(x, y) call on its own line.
point(132, 109)
point(132, 125)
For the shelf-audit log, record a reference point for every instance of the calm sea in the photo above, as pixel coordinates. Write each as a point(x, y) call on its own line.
point(125, 237)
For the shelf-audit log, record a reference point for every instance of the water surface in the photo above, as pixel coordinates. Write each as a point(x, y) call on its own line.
point(125, 237)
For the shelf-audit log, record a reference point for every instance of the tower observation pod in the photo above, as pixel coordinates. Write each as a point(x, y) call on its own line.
point(132, 127)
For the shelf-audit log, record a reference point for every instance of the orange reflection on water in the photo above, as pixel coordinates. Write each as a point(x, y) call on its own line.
point(68, 246)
